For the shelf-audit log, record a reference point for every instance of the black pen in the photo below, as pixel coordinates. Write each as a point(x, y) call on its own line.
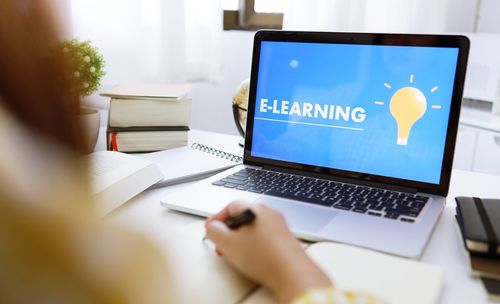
point(244, 218)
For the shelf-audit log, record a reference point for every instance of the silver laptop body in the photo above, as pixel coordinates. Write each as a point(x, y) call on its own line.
point(372, 154)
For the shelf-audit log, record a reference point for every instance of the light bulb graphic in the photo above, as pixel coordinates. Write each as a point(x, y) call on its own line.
point(407, 106)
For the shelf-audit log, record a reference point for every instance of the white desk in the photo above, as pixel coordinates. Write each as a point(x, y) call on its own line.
point(444, 249)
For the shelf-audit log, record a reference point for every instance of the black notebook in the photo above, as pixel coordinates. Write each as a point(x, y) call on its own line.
point(493, 288)
point(479, 220)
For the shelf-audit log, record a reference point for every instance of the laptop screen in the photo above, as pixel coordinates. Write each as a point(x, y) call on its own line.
point(374, 109)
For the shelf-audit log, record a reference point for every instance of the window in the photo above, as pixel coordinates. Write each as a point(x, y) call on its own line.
point(230, 5)
point(253, 14)
point(266, 6)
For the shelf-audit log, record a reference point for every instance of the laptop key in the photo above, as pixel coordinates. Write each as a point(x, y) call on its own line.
point(342, 207)
point(255, 190)
point(242, 174)
point(218, 183)
point(403, 211)
point(237, 177)
point(403, 219)
point(300, 198)
point(417, 204)
point(393, 216)
point(359, 210)
point(233, 181)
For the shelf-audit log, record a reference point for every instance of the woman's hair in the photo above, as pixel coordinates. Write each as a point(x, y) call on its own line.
point(51, 250)
point(34, 80)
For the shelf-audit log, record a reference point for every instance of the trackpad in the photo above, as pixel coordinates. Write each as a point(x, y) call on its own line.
point(300, 217)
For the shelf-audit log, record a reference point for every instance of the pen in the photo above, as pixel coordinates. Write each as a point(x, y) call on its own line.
point(244, 218)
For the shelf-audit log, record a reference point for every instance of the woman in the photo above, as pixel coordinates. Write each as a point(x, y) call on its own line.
point(51, 250)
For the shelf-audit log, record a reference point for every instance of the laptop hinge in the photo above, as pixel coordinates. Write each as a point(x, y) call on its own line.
point(336, 178)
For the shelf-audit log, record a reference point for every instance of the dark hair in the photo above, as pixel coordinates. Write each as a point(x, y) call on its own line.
point(34, 81)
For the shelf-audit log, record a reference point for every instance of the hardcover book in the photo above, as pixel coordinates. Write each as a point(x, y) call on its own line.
point(145, 139)
point(149, 112)
point(479, 221)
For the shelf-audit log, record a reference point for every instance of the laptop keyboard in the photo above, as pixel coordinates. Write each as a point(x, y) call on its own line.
point(361, 199)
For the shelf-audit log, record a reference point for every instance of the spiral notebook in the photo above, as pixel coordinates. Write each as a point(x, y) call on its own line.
point(190, 163)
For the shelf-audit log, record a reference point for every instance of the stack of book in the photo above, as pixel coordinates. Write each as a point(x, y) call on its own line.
point(148, 117)
point(479, 223)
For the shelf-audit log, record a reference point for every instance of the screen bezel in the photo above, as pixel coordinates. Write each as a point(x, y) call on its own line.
point(453, 41)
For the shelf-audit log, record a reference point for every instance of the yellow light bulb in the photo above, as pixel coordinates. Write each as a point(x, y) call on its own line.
point(407, 106)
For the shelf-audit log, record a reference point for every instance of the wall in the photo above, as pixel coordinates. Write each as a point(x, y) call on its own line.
point(461, 15)
point(212, 102)
point(489, 21)
point(237, 48)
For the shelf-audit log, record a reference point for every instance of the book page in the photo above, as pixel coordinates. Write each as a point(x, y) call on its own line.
point(117, 177)
point(108, 168)
point(393, 279)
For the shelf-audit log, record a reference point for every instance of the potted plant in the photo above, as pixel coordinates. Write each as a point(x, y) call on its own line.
point(87, 70)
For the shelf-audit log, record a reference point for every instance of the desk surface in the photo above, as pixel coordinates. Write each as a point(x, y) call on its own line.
point(445, 249)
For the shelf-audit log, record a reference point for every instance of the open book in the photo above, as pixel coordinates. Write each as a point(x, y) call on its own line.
point(393, 279)
point(117, 177)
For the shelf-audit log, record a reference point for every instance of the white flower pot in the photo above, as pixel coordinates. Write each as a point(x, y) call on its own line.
point(90, 120)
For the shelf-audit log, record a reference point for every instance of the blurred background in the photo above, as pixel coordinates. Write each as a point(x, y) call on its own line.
point(209, 44)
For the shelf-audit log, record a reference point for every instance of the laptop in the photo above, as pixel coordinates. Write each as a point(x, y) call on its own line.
point(350, 135)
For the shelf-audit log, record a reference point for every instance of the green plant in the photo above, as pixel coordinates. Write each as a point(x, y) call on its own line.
point(87, 64)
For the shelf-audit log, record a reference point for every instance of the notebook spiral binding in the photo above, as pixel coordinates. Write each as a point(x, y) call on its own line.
point(218, 153)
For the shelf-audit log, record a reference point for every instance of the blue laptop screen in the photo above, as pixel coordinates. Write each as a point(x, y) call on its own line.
point(372, 109)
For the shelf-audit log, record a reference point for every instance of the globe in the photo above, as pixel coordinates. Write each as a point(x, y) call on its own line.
point(240, 106)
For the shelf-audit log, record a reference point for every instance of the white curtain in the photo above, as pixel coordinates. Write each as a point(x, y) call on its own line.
point(404, 16)
point(152, 40)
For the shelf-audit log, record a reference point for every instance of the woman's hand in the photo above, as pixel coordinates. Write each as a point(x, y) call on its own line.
point(265, 251)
